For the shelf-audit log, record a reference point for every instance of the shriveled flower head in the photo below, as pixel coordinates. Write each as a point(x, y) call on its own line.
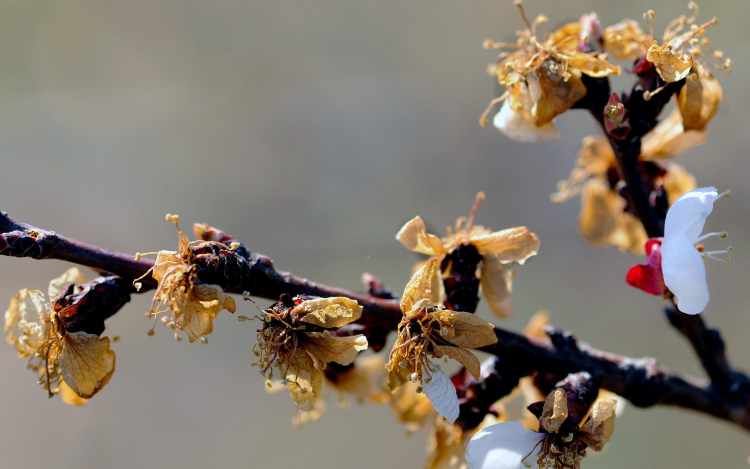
point(542, 75)
point(74, 364)
point(681, 260)
point(560, 442)
point(604, 219)
point(427, 332)
point(194, 303)
point(296, 338)
point(498, 250)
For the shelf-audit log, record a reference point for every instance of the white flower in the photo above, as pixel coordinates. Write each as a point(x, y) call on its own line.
point(507, 445)
point(682, 263)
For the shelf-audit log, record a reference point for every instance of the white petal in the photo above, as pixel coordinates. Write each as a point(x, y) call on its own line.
point(504, 446)
point(684, 273)
point(442, 394)
point(688, 214)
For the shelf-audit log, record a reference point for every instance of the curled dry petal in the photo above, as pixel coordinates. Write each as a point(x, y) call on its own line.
point(517, 121)
point(558, 94)
point(410, 407)
point(329, 312)
point(327, 348)
point(593, 65)
point(198, 310)
point(365, 381)
point(507, 445)
point(555, 411)
point(624, 40)
point(413, 235)
point(87, 362)
point(599, 427)
point(304, 381)
point(27, 321)
point(669, 138)
point(467, 330)
point(56, 285)
point(442, 395)
point(699, 100)
point(463, 356)
point(496, 286)
point(445, 447)
point(670, 66)
point(511, 245)
point(437, 289)
point(70, 397)
point(417, 292)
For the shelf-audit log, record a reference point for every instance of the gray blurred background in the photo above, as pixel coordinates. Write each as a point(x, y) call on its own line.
point(313, 131)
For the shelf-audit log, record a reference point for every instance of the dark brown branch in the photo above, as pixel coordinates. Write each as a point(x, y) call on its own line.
point(641, 381)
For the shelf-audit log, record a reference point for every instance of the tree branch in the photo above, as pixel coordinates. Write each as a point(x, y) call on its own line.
point(641, 381)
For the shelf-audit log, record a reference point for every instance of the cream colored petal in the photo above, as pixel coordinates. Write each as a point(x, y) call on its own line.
point(198, 311)
point(496, 286)
point(557, 94)
point(413, 235)
point(511, 245)
point(411, 407)
point(27, 321)
point(365, 381)
point(677, 181)
point(517, 120)
point(669, 138)
point(592, 64)
point(304, 380)
point(70, 397)
point(597, 220)
point(699, 100)
point(535, 327)
point(329, 312)
point(13, 326)
point(555, 411)
point(463, 356)
point(326, 348)
point(598, 429)
point(445, 447)
point(625, 40)
point(72, 275)
point(465, 329)
point(164, 261)
point(87, 362)
point(418, 291)
point(437, 290)
point(670, 66)
point(303, 418)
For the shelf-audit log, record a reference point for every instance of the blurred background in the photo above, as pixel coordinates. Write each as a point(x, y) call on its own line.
point(312, 131)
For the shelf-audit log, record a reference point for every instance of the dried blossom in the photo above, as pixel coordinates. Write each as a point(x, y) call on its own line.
point(542, 75)
point(75, 364)
point(194, 303)
point(295, 338)
point(497, 249)
point(625, 40)
point(604, 219)
point(427, 332)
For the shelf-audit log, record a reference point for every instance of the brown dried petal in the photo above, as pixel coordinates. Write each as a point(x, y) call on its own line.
point(72, 275)
point(598, 429)
point(669, 138)
point(329, 312)
point(625, 40)
point(327, 348)
point(671, 67)
point(437, 289)
point(413, 235)
point(496, 286)
point(397, 375)
point(699, 100)
point(467, 330)
point(411, 407)
point(417, 292)
point(558, 95)
point(555, 411)
point(445, 447)
point(87, 363)
point(511, 245)
point(304, 380)
point(592, 64)
point(535, 327)
point(517, 120)
point(27, 321)
point(463, 356)
point(200, 308)
point(69, 396)
point(365, 381)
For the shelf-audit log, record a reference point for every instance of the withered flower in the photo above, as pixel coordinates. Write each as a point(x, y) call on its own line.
point(603, 219)
point(498, 250)
point(295, 338)
point(559, 444)
point(427, 332)
point(542, 76)
point(74, 364)
point(194, 303)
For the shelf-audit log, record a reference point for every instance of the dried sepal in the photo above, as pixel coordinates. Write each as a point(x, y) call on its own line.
point(304, 381)
point(327, 348)
point(329, 312)
point(670, 66)
point(87, 363)
point(417, 292)
point(555, 411)
point(463, 356)
point(599, 427)
point(466, 329)
point(625, 40)
point(699, 99)
point(413, 235)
